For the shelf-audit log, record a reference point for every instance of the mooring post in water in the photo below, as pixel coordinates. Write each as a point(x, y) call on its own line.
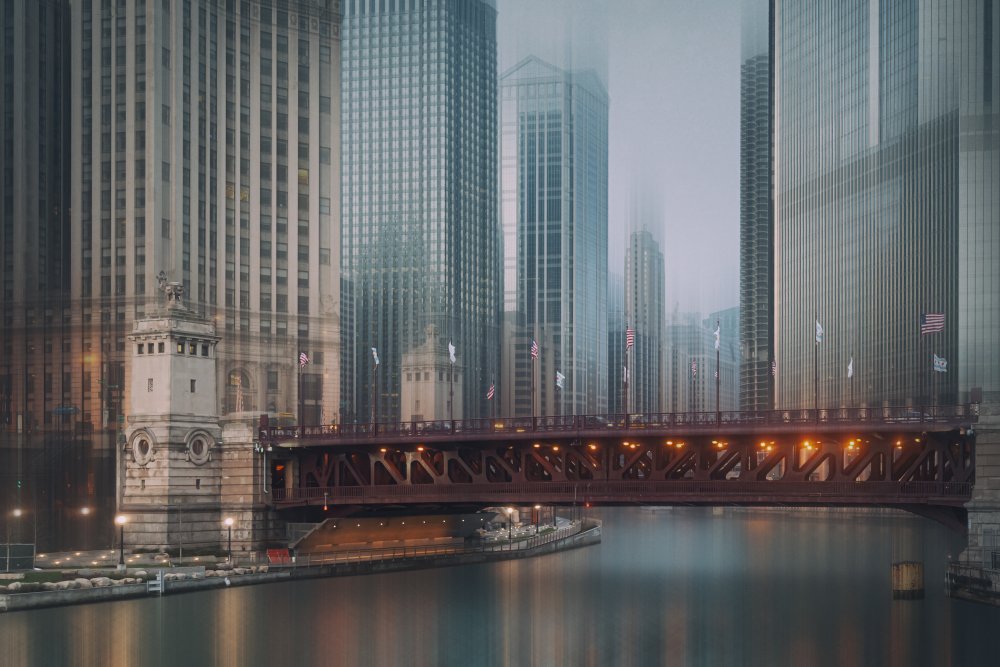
point(908, 580)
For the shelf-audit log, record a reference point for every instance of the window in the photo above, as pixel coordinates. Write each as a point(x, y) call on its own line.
point(193, 382)
point(141, 348)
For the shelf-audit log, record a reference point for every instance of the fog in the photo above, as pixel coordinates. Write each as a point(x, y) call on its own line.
point(672, 70)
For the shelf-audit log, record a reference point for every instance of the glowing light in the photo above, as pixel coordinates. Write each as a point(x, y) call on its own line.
point(593, 446)
point(420, 448)
point(555, 448)
point(383, 450)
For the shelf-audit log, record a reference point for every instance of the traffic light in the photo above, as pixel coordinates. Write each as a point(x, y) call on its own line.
point(19, 484)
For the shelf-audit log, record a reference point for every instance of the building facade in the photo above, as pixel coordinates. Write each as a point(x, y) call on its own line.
point(645, 314)
point(421, 241)
point(756, 209)
point(554, 183)
point(692, 362)
point(616, 350)
point(886, 164)
point(208, 136)
point(38, 440)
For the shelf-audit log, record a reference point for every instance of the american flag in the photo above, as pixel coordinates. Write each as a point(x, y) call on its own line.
point(694, 368)
point(491, 392)
point(931, 323)
point(534, 349)
point(303, 359)
point(629, 338)
point(716, 374)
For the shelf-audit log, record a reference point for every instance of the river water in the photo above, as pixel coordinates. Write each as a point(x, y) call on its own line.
point(681, 586)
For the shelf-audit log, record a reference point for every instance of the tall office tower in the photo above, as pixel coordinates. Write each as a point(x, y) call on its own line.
point(756, 210)
point(35, 366)
point(421, 242)
point(616, 345)
point(208, 155)
point(645, 314)
point(887, 156)
point(554, 181)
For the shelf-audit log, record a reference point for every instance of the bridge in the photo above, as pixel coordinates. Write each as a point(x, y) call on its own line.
point(921, 459)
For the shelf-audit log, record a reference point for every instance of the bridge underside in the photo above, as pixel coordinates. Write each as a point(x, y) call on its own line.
point(889, 467)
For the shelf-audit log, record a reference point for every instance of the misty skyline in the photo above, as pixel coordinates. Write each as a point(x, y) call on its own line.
point(672, 71)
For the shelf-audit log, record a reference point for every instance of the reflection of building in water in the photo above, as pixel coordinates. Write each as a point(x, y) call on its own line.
point(428, 379)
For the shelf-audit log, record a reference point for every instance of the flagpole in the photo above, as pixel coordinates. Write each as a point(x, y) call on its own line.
point(374, 397)
point(816, 373)
point(718, 406)
point(625, 387)
point(852, 380)
point(302, 424)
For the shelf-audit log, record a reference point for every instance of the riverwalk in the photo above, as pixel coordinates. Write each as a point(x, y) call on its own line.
point(139, 579)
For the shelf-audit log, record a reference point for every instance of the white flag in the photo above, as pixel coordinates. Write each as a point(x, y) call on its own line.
point(940, 364)
point(375, 355)
point(819, 332)
point(716, 335)
point(850, 368)
point(625, 374)
point(451, 352)
point(559, 379)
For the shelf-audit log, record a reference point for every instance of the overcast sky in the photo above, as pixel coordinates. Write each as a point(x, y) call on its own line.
point(673, 75)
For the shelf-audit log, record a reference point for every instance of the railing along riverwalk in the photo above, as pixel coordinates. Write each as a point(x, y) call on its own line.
point(431, 551)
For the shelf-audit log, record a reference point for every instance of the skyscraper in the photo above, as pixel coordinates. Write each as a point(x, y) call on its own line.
point(645, 314)
point(887, 155)
point(421, 249)
point(554, 182)
point(208, 155)
point(756, 210)
point(36, 368)
point(34, 215)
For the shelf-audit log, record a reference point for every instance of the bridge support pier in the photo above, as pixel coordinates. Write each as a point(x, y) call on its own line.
point(976, 574)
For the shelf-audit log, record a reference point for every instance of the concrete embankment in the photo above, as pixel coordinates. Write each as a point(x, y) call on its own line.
point(588, 535)
point(970, 582)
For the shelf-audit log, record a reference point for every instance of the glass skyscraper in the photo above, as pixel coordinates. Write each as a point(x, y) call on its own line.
point(645, 313)
point(554, 181)
point(421, 241)
point(887, 206)
point(756, 210)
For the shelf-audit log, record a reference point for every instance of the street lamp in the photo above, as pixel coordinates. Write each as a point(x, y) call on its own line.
point(229, 545)
point(537, 517)
point(510, 524)
point(121, 520)
point(17, 515)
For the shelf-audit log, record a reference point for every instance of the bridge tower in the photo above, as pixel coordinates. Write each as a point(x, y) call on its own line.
point(179, 480)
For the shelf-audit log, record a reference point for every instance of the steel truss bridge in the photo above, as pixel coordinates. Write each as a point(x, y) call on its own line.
point(921, 459)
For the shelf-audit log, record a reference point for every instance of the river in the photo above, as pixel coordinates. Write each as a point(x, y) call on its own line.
point(680, 586)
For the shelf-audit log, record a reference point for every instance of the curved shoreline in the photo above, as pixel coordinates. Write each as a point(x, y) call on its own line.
point(589, 534)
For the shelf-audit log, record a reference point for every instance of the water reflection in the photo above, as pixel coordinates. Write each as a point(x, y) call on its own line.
point(683, 586)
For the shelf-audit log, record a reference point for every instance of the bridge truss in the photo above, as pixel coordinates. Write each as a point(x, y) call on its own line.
point(891, 458)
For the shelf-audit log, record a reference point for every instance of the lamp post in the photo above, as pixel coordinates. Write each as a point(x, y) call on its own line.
point(17, 515)
point(121, 519)
point(229, 543)
point(537, 517)
point(510, 525)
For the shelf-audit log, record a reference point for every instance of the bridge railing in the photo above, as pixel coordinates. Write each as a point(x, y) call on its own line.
point(567, 423)
point(635, 490)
